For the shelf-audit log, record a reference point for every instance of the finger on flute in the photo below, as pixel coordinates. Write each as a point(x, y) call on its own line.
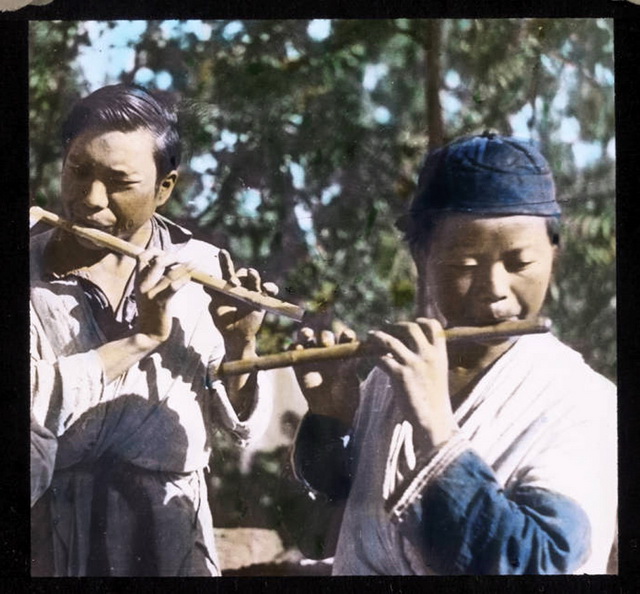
point(361, 349)
point(106, 240)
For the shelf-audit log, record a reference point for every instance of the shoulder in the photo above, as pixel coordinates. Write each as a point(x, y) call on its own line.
point(565, 360)
point(201, 254)
point(38, 242)
point(558, 366)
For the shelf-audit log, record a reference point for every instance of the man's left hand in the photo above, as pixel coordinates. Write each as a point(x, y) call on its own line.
point(238, 322)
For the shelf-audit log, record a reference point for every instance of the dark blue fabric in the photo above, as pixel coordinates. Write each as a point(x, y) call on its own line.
point(464, 522)
point(486, 175)
point(321, 457)
point(467, 524)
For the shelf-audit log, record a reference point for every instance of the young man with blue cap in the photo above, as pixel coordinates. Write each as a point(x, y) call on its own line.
point(487, 457)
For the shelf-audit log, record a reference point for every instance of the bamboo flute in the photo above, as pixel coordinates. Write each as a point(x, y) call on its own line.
point(106, 240)
point(361, 349)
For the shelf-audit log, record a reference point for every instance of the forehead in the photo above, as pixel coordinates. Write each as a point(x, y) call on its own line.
point(471, 232)
point(114, 147)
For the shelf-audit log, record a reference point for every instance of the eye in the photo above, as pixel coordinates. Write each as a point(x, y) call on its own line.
point(119, 184)
point(518, 265)
point(463, 264)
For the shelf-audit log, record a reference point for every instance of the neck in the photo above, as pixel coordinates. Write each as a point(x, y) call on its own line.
point(467, 363)
point(141, 236)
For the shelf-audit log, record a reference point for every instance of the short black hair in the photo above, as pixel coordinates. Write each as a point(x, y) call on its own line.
point(127, 108)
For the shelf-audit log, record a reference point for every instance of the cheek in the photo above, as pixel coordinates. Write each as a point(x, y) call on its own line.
point(68, 190)
point(133, 204)
point(451, 290)
point(68, 184)
point(451, 282)
point(532, 291)
point(539, 289)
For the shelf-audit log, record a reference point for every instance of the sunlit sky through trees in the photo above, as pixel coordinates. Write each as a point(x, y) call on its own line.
point(303, 140)
point(111, 53)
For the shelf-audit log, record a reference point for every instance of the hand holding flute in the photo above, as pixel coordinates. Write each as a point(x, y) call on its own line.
point(238, 300)
point(417, 364)
point(262, 300)
point(329, 386)
point(158, 280)
point(413, 354)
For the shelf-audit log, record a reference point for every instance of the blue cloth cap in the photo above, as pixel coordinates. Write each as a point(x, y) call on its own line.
point(486, 175)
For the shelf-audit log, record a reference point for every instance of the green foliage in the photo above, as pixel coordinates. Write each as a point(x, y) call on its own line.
point(310, 167)
point(52, 87)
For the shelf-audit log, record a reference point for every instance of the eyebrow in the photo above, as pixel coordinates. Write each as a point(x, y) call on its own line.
point(112, 171)
point(460, 249)
point(120, 172)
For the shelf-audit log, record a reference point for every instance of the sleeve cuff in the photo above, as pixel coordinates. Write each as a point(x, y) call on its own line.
point(411, 489)
point(254, 426)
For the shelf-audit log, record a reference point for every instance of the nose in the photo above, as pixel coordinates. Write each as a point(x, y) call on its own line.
point(494, 284)
point(94, 195)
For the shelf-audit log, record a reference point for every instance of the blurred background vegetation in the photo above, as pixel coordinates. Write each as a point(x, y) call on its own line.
point(303, 141)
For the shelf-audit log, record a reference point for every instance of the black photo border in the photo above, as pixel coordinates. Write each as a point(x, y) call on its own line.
point(14, 517)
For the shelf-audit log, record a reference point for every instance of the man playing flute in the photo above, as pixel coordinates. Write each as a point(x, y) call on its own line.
point(122, 353)
point(489, 457)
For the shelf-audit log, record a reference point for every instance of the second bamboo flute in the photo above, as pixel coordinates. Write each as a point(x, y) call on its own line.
point(360, 349)
point(106, 240)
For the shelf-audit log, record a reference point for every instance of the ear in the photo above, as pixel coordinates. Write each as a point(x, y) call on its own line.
point(165, 187)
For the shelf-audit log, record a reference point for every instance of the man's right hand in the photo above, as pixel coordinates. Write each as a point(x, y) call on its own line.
point(331, 388)
point(160, 277)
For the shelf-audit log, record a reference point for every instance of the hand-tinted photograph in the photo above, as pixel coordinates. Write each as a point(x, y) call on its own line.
point(323, 297)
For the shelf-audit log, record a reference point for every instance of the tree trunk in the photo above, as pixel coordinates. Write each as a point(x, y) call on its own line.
point(433, 79)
